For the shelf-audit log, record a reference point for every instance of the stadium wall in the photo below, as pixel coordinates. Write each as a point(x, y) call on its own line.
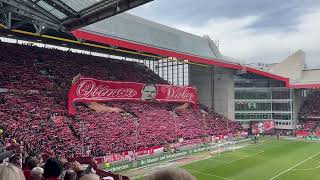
point(297, 102)
point(202, 78)
point(224, 92)
point(215, 88)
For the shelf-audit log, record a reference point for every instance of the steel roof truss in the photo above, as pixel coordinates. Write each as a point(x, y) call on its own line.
point(28, 4)
point(62, 7)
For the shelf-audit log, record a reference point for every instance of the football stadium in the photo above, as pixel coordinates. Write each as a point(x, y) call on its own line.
point(90, 91)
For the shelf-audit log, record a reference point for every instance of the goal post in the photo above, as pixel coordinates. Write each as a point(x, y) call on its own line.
point(215, 151)
point(219, 148)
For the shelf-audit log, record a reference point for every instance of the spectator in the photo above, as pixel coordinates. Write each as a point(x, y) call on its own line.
point(171, 174)
point(52, 169)
point(10, 172)
point(36, 173)
point(70, 175)
point(37, 156)
point(90, 177)
point(33, 163)
point(26, 160)
point(15, 160)
point(30, 165)
point(75, 166)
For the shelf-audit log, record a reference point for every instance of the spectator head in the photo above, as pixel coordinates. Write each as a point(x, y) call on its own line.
point(39, 157)
point(26, 160)
point(33, 154)
point(70, 175)
point(90, 177)
point(52, 168)
point(33, 163)
point(15, 159)
point(76, 166)
point(10, 172)
point(36, 173)
point(171, 174)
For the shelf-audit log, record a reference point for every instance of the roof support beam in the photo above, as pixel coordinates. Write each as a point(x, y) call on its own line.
point(99, 12)
point(40, 29)
point(98, 5)
point(62, 7)
point(38, 8)
point(4, 10)
point(31, 8)
point(21, 23)
point(45, 25)
point(9, 23)
point(33, 15)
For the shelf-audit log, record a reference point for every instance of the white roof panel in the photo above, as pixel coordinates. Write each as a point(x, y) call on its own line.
point(135, 29)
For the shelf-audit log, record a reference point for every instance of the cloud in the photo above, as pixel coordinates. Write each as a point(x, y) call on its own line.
point(274, 14)
point(239, 39)
point(251, 30)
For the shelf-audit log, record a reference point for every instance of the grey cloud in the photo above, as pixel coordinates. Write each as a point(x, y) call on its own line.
point(274, 14)
point(277, 31)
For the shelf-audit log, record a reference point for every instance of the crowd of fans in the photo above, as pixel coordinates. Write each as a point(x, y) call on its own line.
point(310, 113)
point(311, 106)
point(144, 125)
point(15, 164)
point(34, 83)
point(309, 127)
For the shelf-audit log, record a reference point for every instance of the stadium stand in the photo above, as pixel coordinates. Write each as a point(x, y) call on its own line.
point(310, 107)
point(154, 124)
point(35, 83)
point(310, 125)
point(309, 115)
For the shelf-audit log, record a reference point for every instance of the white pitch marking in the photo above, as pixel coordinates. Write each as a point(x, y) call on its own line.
point(245, 157)
point(294, 166)
point(214, 159)
point(209, 174)
point(307, 169)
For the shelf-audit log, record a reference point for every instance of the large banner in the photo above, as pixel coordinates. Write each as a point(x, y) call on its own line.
point(263, 127)
point(93, 90)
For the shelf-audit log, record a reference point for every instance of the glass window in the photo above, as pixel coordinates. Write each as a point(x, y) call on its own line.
point(252, 106)
point(283, 106)
point(281, 116)
point(252, 94)
point(281, 94)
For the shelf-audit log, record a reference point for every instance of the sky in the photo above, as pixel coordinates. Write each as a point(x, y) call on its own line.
point(251, 31)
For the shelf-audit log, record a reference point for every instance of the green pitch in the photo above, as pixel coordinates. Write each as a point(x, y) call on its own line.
point(269, 160)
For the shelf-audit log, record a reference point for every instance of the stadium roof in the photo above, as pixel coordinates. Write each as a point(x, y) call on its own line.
point(132, 32)
point(62, 15)
point(135, 29)
point(294, 68)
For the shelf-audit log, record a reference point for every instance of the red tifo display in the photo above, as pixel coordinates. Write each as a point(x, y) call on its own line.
point(94, 90)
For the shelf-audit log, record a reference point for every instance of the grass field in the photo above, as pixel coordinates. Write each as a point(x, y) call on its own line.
point(281, 160)
point(269, 160)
